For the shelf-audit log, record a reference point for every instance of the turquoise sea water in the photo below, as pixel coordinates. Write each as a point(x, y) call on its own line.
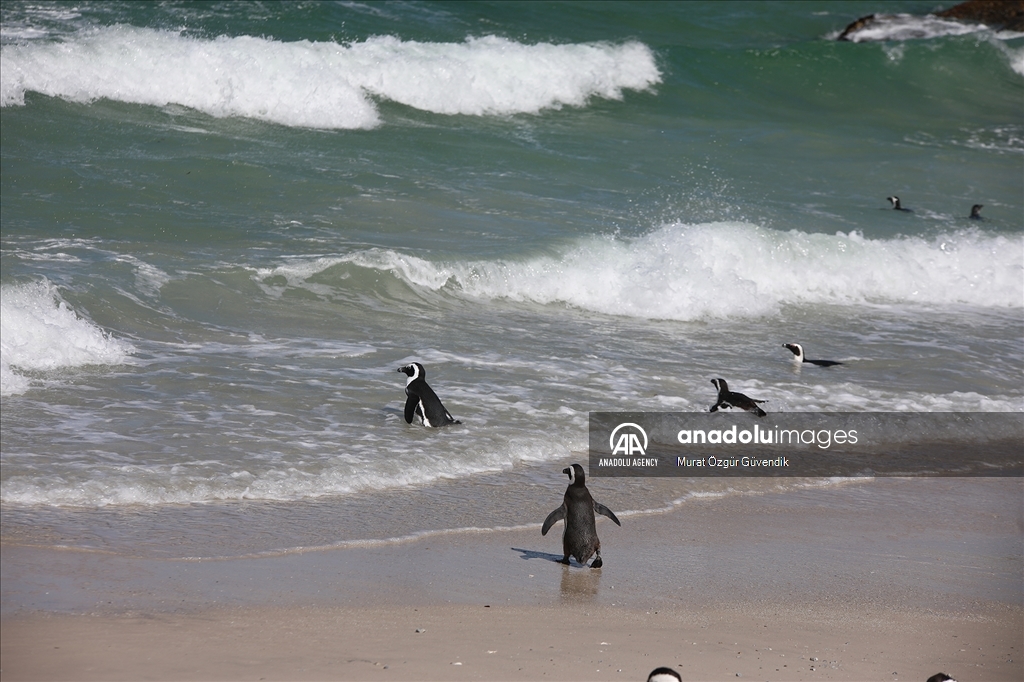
point(225, 225)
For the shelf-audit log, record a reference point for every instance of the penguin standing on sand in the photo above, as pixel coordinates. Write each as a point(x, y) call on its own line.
point(422, 401)
point(727, 398)
point(798, 356)
point(579, 537)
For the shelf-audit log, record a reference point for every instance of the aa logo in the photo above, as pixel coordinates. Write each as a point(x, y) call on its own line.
point(628, 441)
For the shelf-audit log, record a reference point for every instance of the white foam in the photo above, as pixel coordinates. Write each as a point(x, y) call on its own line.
point(100, 484)
point(1017, 60)
point(149, 279)
point(321, 85)
point(852, 397)
point(688, 272)
point(900, 27)
point(1015, 56)
point(41, 332)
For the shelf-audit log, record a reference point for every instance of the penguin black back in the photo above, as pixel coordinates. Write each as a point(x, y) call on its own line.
point(896, 205)
point(578, 509)
point(727, 398)
point(421, 400)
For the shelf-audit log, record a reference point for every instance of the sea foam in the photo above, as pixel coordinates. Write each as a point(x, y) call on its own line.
point(899, 27)
point(731, 269)
point(321, 84)
point(41, 332)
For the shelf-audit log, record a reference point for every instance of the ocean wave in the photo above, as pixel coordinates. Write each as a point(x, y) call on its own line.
point(1015, 56)
point(321, 84)
point(41, 332)
point(102, 484)
point(715, 270)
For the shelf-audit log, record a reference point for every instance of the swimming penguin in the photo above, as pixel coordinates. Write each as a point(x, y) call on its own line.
point(579, 537)
point(976, 212)
point(940, 677)
point(727, 398)
point(422, 400)
point(798, 356)
point(664, 675)
point(895, 201)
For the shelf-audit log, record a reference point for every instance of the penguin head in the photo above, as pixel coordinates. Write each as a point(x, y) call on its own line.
point(414, 371)
point(575, 474)
point(720, 385)
point(796, 349)
point(895, 201)
point(941, 677)
point(976, 210)
point(664, 675)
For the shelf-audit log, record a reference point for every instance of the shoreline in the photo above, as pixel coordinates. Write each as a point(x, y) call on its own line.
point(906, 576)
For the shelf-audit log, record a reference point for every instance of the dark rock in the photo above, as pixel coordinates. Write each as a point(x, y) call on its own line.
point(1000, 14)
point(856, 26)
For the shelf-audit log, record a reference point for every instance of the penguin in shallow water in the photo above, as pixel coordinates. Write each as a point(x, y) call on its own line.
point(976, 212)
point(664, 675)
point(727, 398)
point(798, 356)
point(896, 205)
point(579, 537)
point(422, 401)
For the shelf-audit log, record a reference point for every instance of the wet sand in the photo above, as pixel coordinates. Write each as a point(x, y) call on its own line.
point(890, 579)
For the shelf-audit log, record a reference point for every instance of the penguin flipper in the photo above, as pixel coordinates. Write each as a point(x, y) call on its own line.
point(410, 408)
point(605, 511)
point(552, 519)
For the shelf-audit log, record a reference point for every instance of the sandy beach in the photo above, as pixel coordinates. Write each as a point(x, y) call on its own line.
point(885, 580)
point(464, 642)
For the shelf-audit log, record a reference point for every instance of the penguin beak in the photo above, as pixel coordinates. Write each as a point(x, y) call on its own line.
point(567, 471)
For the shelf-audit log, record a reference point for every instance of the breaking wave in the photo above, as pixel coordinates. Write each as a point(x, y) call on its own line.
point(41, 333)
point(716, 270)
point(322, 84)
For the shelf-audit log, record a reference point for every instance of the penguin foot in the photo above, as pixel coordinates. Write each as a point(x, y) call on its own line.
point(597, 563)
point(564, 561)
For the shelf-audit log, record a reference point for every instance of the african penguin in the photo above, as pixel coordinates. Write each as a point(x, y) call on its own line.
point(940, 677)
point(664, 675)
point(798, 356)
point(422, 400)
point(727, 398)
point(895, 201)
point(579, 537)
point(976, 212)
